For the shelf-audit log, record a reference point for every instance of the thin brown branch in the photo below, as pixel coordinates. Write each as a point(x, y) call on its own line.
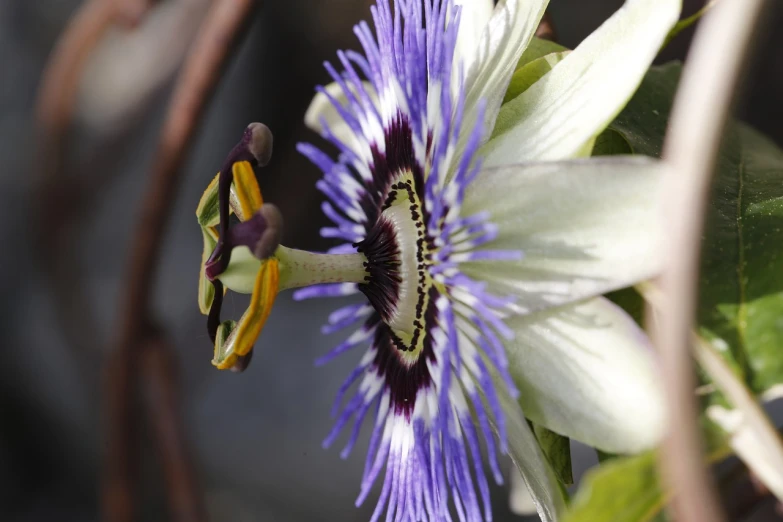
point(58, 201)
point(129, 13)
point(546, 28)
point(61, 77)
point(158, 374)
point(695, 131)
point(221, 30)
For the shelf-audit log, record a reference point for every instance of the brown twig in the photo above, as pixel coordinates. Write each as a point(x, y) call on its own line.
point(158, 374)
point(56, 196)
point(546, 28)
point(221, 29)
point(695, 130)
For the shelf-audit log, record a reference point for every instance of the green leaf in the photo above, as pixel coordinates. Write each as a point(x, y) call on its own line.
point(530, 73)
point(631, 301)
point(628, 489)
point(741, 284)
point(557, 449)
point(538, 48)
point(621, 490)
point(609, 143)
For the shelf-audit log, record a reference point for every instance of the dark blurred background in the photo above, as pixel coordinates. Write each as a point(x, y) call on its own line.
point(255, 438)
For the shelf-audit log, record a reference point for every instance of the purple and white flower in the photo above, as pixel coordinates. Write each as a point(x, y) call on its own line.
point(481, 247)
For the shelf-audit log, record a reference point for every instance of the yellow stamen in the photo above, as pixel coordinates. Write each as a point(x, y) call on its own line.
point(245, 195)
point(243, 337)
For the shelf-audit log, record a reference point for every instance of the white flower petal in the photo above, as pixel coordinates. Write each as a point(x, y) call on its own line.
point(503, 41)
point(520, 501)
point(525, 452)
point(586, 371)
point(568, 107)
point(473, 19)
point(584, 227)
point(321, 110)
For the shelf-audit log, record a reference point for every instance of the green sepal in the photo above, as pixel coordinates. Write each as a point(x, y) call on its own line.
point(222, 349)
point(557, 449)
point(537, 48)
point(208, 209)
point(206, 291)
point(531, 72)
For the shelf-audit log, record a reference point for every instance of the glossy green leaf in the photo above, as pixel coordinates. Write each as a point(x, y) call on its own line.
point(557, 449)
point(741, 285)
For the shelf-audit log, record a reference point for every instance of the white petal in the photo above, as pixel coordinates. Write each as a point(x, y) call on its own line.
point(568, 107)
point(530, 461)
point(520, 501)
point(321, 110)
point(584, 227)
point(473, 20)
point(586, 371)
point(503, 41)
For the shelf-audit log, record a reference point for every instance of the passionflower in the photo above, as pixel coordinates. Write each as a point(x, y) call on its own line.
point(481, 248)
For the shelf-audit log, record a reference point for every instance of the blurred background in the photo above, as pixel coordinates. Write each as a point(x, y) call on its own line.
point(254, 439)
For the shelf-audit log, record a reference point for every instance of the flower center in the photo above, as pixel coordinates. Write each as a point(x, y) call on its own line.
point(398, 283)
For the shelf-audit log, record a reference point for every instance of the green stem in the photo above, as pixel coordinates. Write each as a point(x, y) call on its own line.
point(300, 268)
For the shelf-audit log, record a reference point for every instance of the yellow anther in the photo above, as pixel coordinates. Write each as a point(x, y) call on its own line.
point(241, 340)
point(245, 195)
